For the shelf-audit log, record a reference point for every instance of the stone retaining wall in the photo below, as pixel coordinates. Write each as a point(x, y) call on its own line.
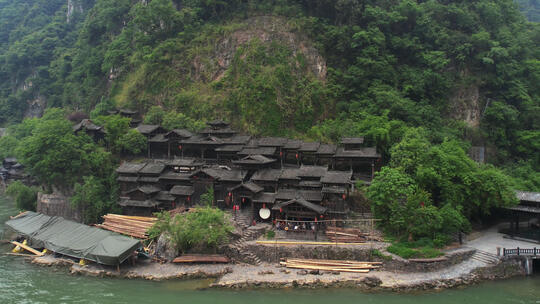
point(57, 205)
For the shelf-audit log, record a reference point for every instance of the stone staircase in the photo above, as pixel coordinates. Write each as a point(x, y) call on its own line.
point(485, 257)
point(249, 233)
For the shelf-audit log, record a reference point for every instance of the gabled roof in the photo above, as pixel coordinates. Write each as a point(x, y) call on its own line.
point(159, 138)
point(164, 196)
point(309, 147)
point(249, 186)
point(370, 152)
point(337, 177)
point(289, 173)
point(148, 179)
point(146, 189)
point(203, 140)
point(175, 176)
point(272, 141)
point(292, 144)
point(217, 123)
point(182, 162)
point(152, 169)
point(182, 190)
point(254, 160)
point(326, 149)
point(265, 197)
point(224, 175)
point(528, 196)
point(230, 148)
point(182, 133)
point(352, 140)
point(147, 129)
point(334, 190)
point(300, 201)
point(127, 179)
point(270, 175)
point(312, 171)
point(266, 151)
point(237, 140)
point(289, 194)
point(88, 125)
point(130, 168)
point(310, 184)
point(218, 131)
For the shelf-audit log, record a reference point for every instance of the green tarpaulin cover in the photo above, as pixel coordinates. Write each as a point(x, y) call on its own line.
point(73, 239)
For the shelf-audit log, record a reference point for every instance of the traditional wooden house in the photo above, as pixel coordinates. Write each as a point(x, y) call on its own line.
point(298, 209)
point(149, 174)
point(150, 130)
point(361, 161)
point(264, 151)
point(140, 201)
point(182, 195)
point(242, 196)
point(308, 152)
point(171, 178)
point(97, 133)
point(165, 200)
point(291, 154)
point(174, 141)
point(218, 128)
point(336, 189)
point(263, 203)
point(288, 178)
point(233, 145)
point(525, 217)
point(267, 178)
point(133, 115)
point(325, 154)
point(203, 146)
point(158, 146)
point(219, 179)
point(254, 162)
point(128, 175)
point(352, 143)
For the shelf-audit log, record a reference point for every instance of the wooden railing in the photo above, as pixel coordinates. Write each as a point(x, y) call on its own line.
point(521, 251)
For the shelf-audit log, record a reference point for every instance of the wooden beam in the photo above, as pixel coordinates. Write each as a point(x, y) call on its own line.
point(28, 248)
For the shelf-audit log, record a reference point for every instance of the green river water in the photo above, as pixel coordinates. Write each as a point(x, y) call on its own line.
point(22, 282)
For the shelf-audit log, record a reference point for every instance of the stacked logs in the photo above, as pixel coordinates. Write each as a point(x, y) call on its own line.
point(331, 265)
point(345, 235)
point(134, 226)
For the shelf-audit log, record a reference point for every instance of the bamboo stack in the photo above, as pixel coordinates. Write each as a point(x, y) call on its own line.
point(345, 235)
point(331, 265)
point(134, 226)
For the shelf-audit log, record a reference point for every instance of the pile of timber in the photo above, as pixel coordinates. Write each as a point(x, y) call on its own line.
point(134, 226)
point(201, 258)
point(345, 235)
point(331, 265)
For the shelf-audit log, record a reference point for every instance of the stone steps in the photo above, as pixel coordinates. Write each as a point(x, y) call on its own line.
point(485, 257)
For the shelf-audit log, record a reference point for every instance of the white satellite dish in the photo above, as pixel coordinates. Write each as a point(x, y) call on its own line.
point(264, 213)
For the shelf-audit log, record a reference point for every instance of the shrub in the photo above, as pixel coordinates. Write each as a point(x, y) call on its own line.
point(25, 197)
point(270, 234)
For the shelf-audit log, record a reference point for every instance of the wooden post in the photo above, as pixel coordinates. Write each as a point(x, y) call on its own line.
point(148, 147)
point(372, 169)
point(168, 149)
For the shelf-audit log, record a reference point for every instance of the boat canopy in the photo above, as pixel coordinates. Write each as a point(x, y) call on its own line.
point(73, 239)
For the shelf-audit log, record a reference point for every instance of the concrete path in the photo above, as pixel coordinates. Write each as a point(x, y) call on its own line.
point(490, 239)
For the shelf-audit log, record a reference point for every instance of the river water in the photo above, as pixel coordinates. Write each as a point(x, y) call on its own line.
point(22, 282)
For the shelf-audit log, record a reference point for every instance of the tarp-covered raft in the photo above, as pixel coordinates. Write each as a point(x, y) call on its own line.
point(73, 239)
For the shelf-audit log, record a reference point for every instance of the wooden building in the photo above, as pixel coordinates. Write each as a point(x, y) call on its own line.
point(97, 133)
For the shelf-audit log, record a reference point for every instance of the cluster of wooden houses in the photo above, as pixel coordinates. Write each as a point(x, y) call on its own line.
point(268, 178)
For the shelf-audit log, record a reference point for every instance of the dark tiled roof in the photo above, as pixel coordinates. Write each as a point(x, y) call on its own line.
point(310, 184)
point(293, 144)
point(230, 148)
point(337, 177)
point(218, 131)
point(265, 197)
point(289, 194)
point(272, 141)
point(203, 140)
point(217, 123)
point(334, 190)
point(182, 190)
point(175, 176)
point(130, 168)
point(164, 196)
point(326, 149)
point(266, 151)
point(159, 138)
point(182, 162)
point(237, 140)
point(133, 203)
point(148, 179)
point(249, 186)
point(314, 207)
point(352, 140)
point(182, 133)
point(87, 124)
point(267, 175)
point(370, 152)
point(254, 160)
point(147, 129)
point(312, 171)
point(309, 147)
point(225, 175)
point(152, 169)
point(289, 173)
point(528, 196)
point(146, 189)
point(127, 179)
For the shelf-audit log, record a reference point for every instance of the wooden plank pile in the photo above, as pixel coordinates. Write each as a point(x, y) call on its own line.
point(331, 265)
point(345, 235)
point(134, 226)
point(201, 258)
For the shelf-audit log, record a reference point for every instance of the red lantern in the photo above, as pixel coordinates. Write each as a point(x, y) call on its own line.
point(322, 216)
point(344, 196)
point(264, 206)
point(243, 199)
point(422, 204)
point(280, 153)
point(315, 219)
point(230, 194)
point(296, 155)
point(179, 147)
point(189, 198)
point(173, 205)
point(280, 210)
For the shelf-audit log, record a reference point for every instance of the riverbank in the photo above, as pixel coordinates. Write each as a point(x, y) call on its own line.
point(271, 276)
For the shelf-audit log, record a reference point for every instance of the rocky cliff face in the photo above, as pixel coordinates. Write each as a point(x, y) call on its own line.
point(73, 6)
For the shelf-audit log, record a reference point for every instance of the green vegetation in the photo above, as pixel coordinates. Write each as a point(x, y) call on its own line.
point(415, 250)
point(270, 234)
point(201, 230)
point(377, 253)
point(25, 197)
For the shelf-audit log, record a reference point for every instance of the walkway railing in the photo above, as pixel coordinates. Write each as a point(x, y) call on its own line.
point(521, 251)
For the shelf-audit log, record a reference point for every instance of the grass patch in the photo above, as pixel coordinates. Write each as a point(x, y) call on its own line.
point(421, 249)
point(270, 234)
point(384, 257)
